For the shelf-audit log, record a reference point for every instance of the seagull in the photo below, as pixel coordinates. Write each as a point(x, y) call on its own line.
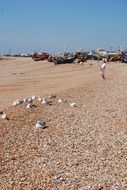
point(40, 124)
point(44, 101)
point(24, 100)
point(30, 99)
point(73, 104)
point(17, 102)
point(60, 100)
point(51, 96)
point(33, 97)
point(39, 99)
point(29, 106)
point(3, 115)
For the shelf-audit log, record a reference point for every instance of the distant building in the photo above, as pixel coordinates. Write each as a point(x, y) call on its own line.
point(102, 52)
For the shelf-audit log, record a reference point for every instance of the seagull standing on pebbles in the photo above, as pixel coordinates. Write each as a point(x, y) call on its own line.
point(33, 97)
point(73, 104)
point(44, 101)
point(51, 96)
point(3, 115)
point(30, 100)
point(60, 100)
point(39, 99)
point(29, 106)
point(17, 102)
point(40, 124)
point(24, 100)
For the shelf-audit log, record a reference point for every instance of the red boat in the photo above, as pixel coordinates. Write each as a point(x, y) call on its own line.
point(40, 56)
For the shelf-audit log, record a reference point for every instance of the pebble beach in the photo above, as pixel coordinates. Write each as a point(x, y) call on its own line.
point(84, 143)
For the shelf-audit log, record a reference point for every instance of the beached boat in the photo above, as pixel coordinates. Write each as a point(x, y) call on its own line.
point(63, 60)
point(40, 56)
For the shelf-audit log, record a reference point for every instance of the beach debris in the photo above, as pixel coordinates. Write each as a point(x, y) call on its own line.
point(40, 124)
point(17, 102)
point(73, 104)
point(3, 115)
point(60, 100)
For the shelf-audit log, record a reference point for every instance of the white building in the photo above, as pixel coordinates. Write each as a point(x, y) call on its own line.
point(102, 52)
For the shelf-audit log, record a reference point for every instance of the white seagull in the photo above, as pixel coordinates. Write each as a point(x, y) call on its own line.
point(29, 106)
point(30, 100)
point(73, 104)
point(51, 96)
point(39, 99)
point(60, 100)
point(17, 102)
point(44, 101)
point(3, 115)
point(40, 124)
point(33, 97)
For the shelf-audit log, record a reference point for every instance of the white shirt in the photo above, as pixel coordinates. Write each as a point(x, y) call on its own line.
point(103, 66)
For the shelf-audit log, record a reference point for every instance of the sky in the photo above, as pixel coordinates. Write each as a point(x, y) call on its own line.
point(62, 25)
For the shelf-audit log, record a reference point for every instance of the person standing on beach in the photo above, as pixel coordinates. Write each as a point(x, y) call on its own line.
point(102, 68)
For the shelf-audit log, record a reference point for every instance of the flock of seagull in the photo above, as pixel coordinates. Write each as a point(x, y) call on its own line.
point(29, 105)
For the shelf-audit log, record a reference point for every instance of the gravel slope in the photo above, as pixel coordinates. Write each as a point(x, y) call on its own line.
point(83, 147)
